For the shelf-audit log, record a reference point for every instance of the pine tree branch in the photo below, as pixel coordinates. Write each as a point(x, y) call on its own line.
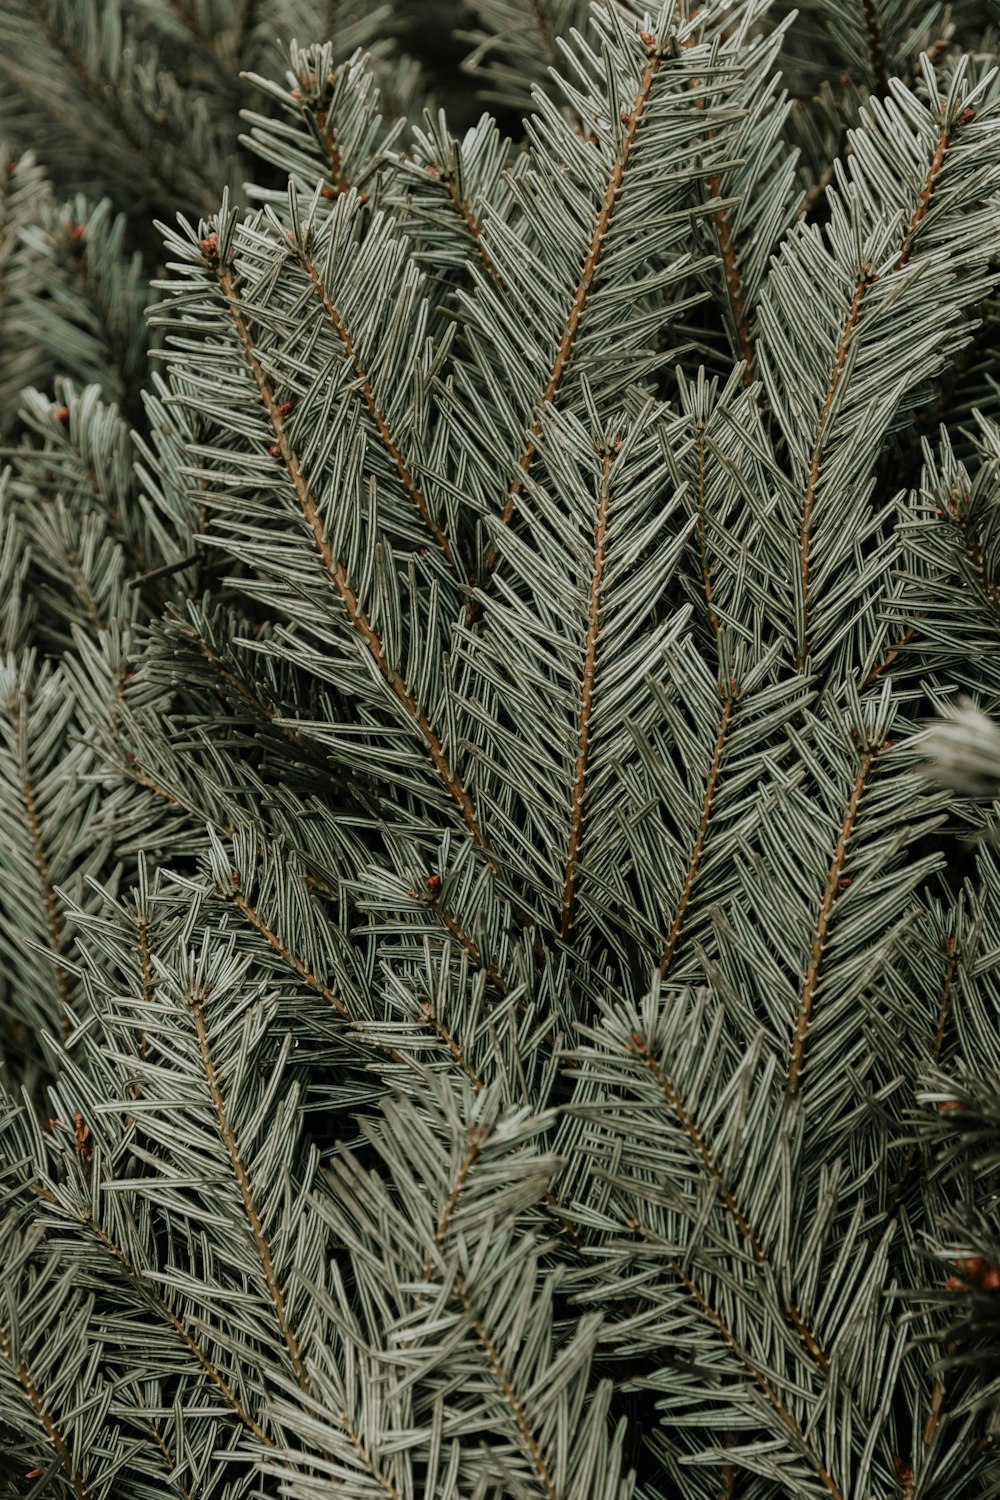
point(318, 987)
point(157, 1437)
point(944, 1006)
point(105, 103)
point(446, 1036)
point(727, 1485)
point(142, 779)
point(291, 959)
point(389, 443)
point(146, 971)
point(475, 1144)
point(990, 587)
point(864, 281)
point(56, 936)
point(510, 1394)
point(924, 197)
point(691, 874)
point(43, 1414)
point(834, 877)
point(228, 1134)
point(702, 1149)
point(587, 695)
point(774, 1400)
point(730, 266)
point(339, 182)
point(888, 660)
point(706, 570)
point(141, 1284)
point(733, 279)
point(257, 704)
point(338, 573)
point(578, 305)
point(934, 1413)
point(354, 1437)
point(471, 947)
point(472, 224)
point(715, 1320)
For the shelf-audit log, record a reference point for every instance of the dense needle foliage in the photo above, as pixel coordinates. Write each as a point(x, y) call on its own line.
point(500, 987)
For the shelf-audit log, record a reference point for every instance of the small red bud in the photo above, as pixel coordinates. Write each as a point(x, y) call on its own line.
point(411, 890)
point(33, 1474)
point(888, 744)
point(285, 408)
point(904, 1471)
point(235, 876)
point(275, 450)
point(210, 246)
point(625, 117)
point(990, 1279)
point(432, 171)
point(61, 414)
point(845, 881)
point(953, 1284)
point(82, 1131)
point(75, 231)
point(433, 884)
point(647, 38)
point(328, 192)
point(425, 1006)
point(948, 1105)
point(637, 1038)
point(362, 197)
point(966, 117)
point(628, 1047)
point(973, 1266)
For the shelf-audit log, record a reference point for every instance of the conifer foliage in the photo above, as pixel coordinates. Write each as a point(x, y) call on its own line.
point(500, 984)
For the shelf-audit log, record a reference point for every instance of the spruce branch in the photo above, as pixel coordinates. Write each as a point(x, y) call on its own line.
point(333, 134)
point(833, 886)
point(564, 349)
point(83, 56)
point(853, 340)
point(406, 479)
point(552, 316)
point(345, 587)
point(445, 186)
point(54, 1394)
